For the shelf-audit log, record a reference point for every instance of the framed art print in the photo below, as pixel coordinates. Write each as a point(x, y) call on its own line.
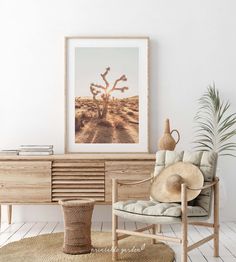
point(106, 87)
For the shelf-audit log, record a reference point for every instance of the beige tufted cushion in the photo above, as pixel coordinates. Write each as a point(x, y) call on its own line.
point(151, 208)
point(206, 161)
point(156, 213)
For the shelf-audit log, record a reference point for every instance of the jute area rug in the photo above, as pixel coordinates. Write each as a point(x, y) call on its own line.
point(47, 248)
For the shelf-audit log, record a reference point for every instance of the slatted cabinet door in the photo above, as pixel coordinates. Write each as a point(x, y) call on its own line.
point(25, 181)
point(128, 171)
point(78, 179)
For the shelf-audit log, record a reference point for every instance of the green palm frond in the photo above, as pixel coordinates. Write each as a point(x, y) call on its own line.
point(215, 125)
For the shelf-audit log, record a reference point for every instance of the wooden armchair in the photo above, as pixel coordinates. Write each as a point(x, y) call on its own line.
point(196, 212)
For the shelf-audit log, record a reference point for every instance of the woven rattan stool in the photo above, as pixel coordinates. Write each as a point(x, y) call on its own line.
point(77, 218)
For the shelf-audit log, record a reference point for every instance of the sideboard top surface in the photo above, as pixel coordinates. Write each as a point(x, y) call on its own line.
point(121, 156)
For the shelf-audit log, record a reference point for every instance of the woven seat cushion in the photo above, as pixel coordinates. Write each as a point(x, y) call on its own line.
point(151, 208)
point(155, 212)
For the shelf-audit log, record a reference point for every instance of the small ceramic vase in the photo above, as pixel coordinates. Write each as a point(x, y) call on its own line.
point(167, 142)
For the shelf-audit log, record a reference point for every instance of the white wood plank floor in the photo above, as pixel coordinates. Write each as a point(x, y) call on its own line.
point(17, 231)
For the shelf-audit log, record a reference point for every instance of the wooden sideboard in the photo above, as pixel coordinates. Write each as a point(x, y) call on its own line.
point(46, 179)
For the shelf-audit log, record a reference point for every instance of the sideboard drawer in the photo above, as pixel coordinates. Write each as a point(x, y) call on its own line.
point(78, 179)
point(25, 181)
point(128, 171)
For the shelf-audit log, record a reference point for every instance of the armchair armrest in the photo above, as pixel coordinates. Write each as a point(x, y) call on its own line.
point(216, 180)
point(134, 183)
point(116, 182)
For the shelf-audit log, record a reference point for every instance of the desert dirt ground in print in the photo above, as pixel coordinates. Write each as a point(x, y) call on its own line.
point(121, 124)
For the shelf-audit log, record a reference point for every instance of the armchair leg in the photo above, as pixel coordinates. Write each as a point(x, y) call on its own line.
point(114, 221)
point(184, 225)
point(158, 228)
point(9, 213)
point(184, 244)
point(154, 241)
point(114, 237)
point(216, 220)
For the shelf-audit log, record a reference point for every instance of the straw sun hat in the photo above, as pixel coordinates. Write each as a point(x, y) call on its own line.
point(166, 186)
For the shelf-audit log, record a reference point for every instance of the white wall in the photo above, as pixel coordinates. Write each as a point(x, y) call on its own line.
point(192, 44)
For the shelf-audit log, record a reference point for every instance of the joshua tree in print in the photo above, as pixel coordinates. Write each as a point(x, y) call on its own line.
point(105, 92)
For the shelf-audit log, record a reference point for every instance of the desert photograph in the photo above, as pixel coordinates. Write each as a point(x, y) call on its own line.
point(106, 101)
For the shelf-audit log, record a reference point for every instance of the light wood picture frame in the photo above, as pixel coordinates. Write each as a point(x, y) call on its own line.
point(106, 94)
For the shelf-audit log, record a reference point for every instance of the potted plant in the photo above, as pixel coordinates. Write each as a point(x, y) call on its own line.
point(215, 127)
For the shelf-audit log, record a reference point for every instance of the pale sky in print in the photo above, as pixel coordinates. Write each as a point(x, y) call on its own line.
point(90, 62)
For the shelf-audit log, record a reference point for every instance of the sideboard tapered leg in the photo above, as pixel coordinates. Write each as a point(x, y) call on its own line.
point(9, 213)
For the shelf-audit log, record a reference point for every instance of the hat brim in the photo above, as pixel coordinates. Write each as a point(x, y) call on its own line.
point(191, 175)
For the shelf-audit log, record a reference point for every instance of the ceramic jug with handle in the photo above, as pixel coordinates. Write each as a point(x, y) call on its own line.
point(167, 142)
